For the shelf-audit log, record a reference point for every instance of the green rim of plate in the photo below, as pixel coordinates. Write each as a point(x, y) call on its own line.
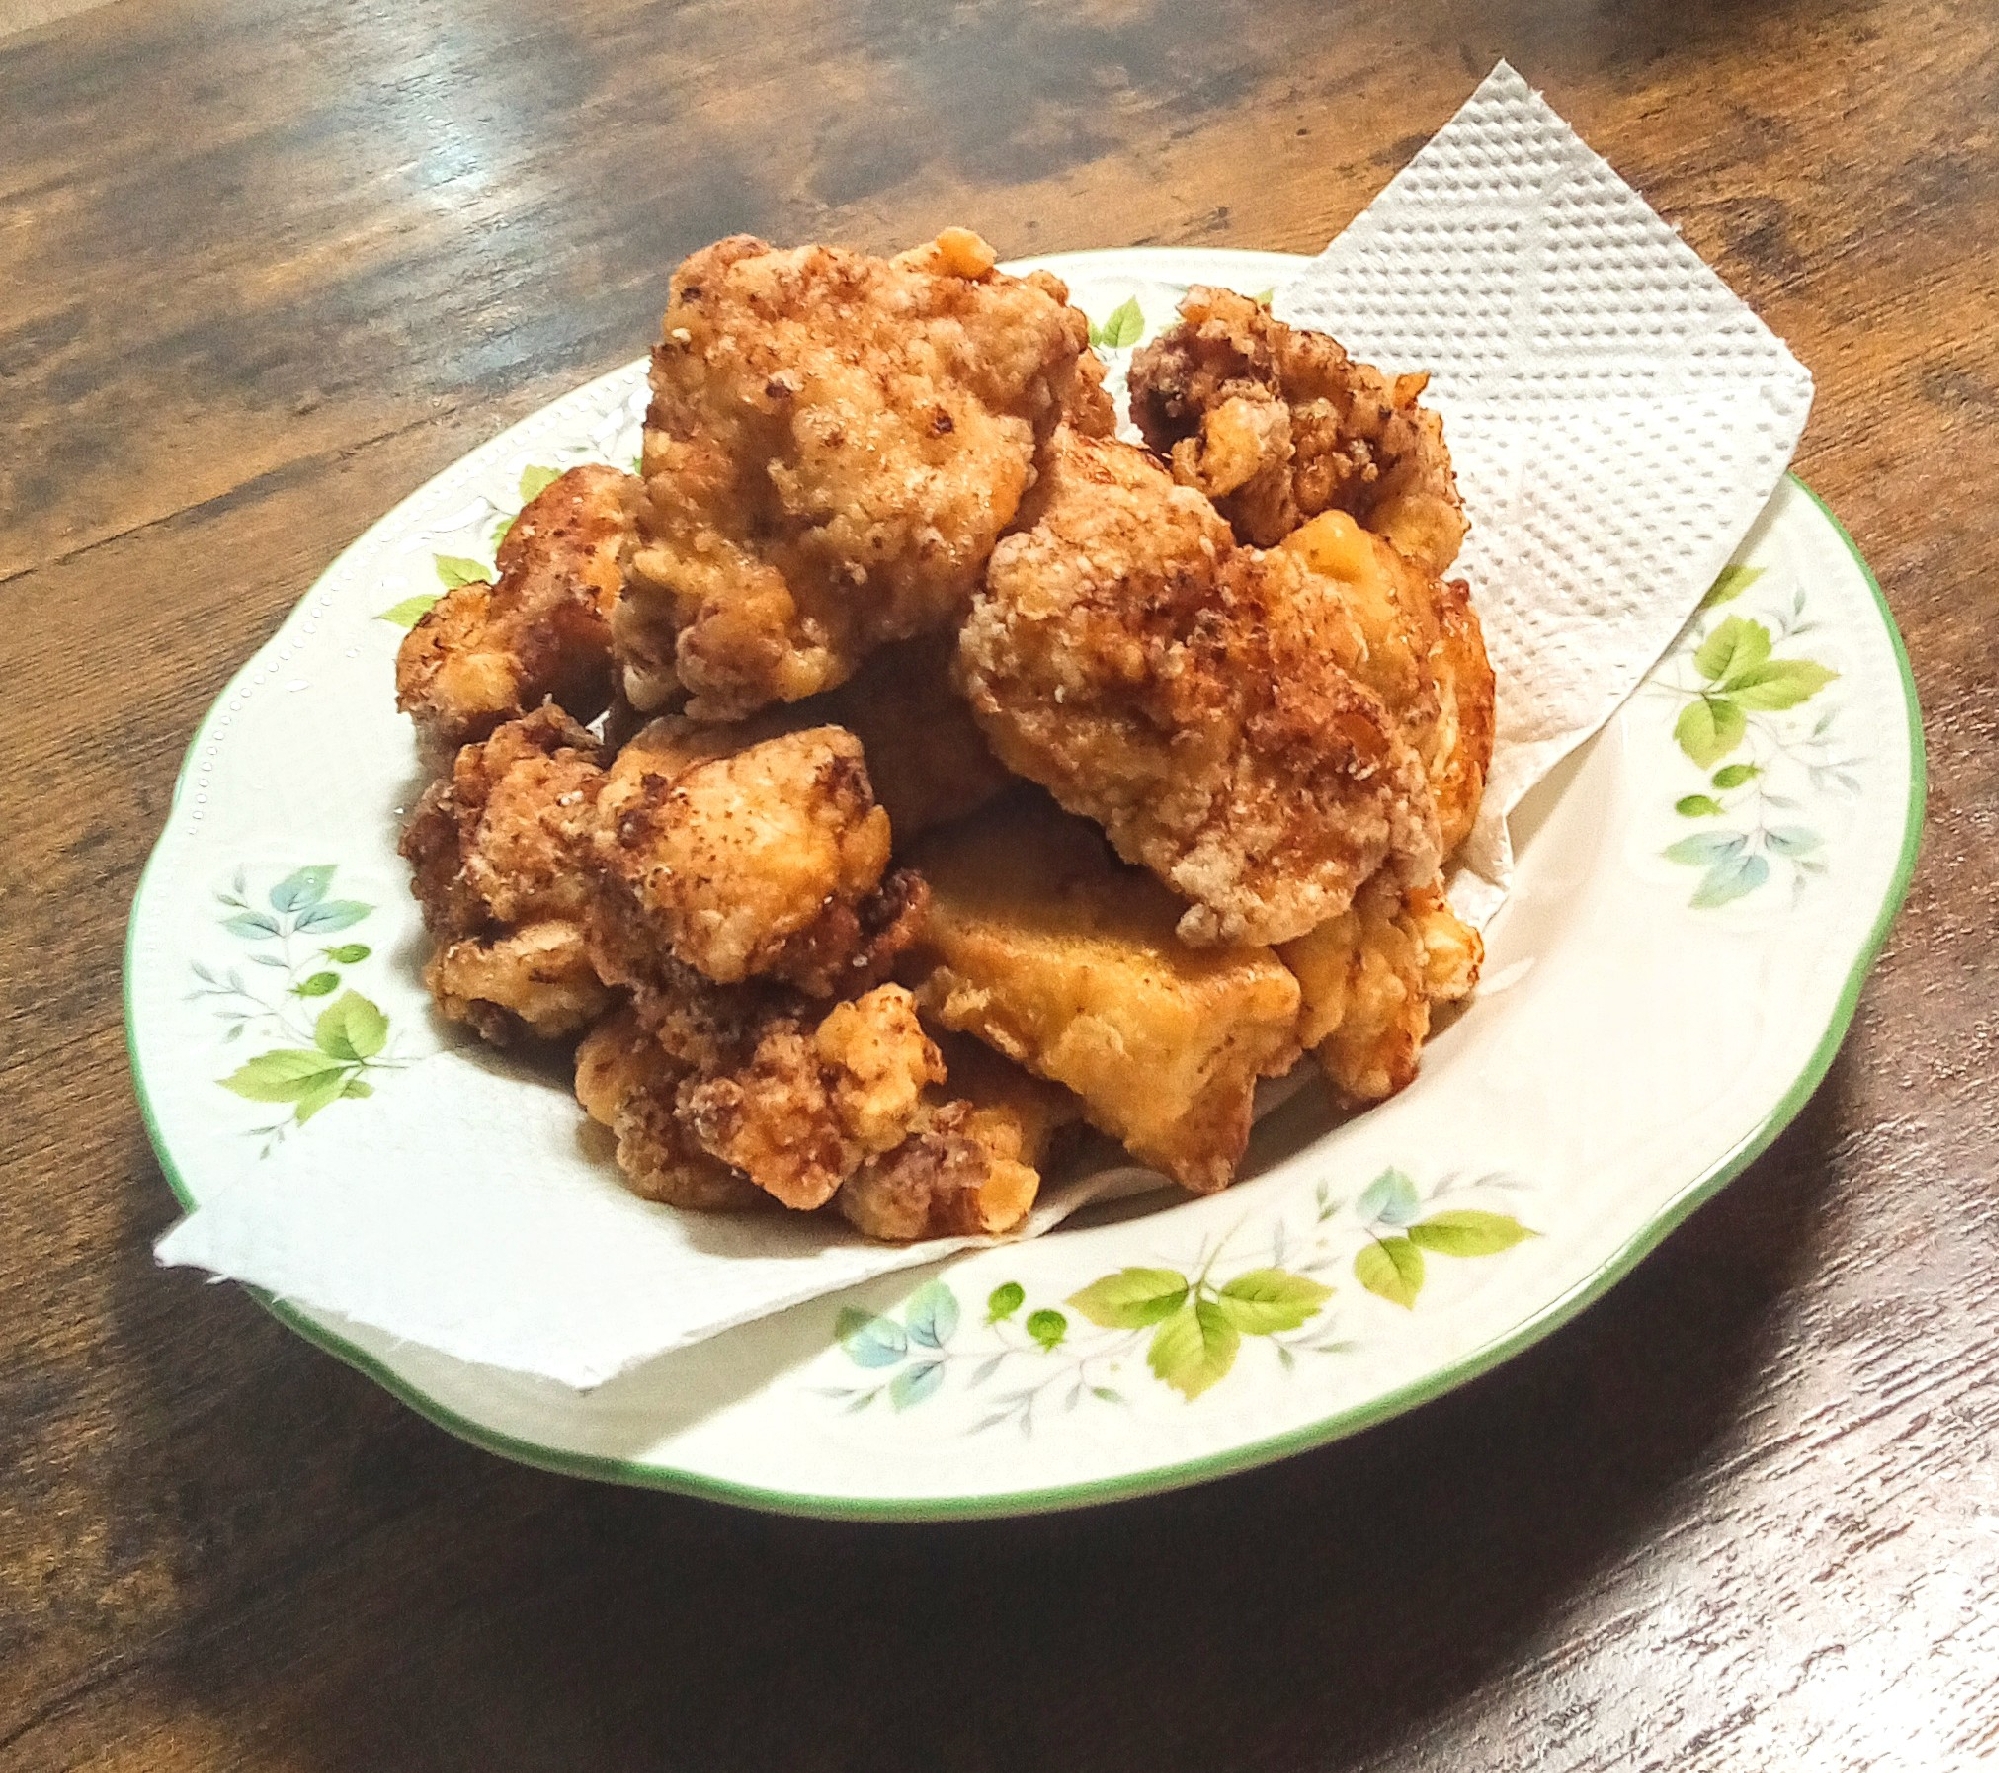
point(1157, 1478)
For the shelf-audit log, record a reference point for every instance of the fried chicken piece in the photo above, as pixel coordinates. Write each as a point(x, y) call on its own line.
point(1276, 424)
point(742, 858)
point(499, 849)
point(971, 1163)
point(834, 444)
point(1369, 979)
point(535, 980)
point(927, 759)
point(1422, 652)
point(1042, 945)
point(627, 1081)
point(488, 653)
point(1190, 697)
point(812, 1102)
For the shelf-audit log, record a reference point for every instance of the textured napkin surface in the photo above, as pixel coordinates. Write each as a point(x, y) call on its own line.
point(1616, 415)
point(1617, 419)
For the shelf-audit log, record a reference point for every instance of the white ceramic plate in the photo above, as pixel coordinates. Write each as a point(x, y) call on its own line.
point(1700, 893)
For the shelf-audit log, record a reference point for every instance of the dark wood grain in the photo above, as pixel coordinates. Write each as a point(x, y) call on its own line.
point(264, 268)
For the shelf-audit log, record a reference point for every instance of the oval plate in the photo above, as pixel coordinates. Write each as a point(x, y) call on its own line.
point(1678, 964)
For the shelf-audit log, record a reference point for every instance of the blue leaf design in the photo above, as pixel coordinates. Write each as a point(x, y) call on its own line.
point(1389, 1198)
point(1730, 880)
point(1792, 840)
point(914, 1384)
point(252, 926)
point(932, 1315)
point(870, 1341)
point(302, 888)
point(1707, 847)
point(333, 914)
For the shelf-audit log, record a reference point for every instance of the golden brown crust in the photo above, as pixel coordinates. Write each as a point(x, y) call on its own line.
point(970, 1165)
point(627, 1081)
point(747, 861)
point(1468, 691)
point(535, 981)
point(1368, 979)
point(1422, 652)
point(1276, 424)
point(812, 1101)
point(1042, 945)
point(511, 823)
point(834, 443)
point(485, 654)
point(1190, 697)
point(927, 758)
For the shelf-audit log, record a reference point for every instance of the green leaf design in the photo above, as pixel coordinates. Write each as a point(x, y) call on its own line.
point(1706, 847)
point(1735, 774)
point(302, 889)
point(251, 925)
point(536, 481)
point(456, 570)
point(1194, 1347)
point(1004, 1300)
point(1268, 1300)
point(1132, 1299)
point(1264, 297)
point(1122, 326)
point(1730, 584)
point(411, 610)
point(1736, 645)
point(1696, 806)
point(932, 1314)
point(1390, 1198)
point(1047, 1327)
point(347, 953)
point(332, 914)
point(1392, 1269)
point(316, 986)
point(1779, 683)
point(913, 1384)
point(352, 1029)
point(358, 1086)
point(870, 1341)
point(281, 1076)
point(323, 1090)
point(1709, 728)
point(1729, 880)
point(1464, 1231)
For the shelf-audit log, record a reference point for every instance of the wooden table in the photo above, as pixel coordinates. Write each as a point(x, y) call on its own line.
point(265, 267)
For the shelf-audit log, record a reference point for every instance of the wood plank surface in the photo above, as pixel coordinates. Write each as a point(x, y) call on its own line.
point(266, 267)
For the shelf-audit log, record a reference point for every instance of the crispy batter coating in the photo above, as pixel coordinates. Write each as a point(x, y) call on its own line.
point(502, 838)
point(1422, 652)
point(834, 444)
point(742, 861)
point(971, 1163)
point(1190, 697)
point(488, 653)
point(1041, 944)
point(627, 1081)
point(1369, 979)
point(1276, 423)
point(813, 1101)
point(536, 980)
point(927, 759)
point(499, 849)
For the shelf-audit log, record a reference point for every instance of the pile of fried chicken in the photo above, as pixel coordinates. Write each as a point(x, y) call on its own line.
point(901, 770)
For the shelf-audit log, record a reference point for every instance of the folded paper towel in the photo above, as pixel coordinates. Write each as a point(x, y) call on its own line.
point(1618, 419)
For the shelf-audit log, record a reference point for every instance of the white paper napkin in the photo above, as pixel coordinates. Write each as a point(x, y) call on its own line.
point(1617, 418)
